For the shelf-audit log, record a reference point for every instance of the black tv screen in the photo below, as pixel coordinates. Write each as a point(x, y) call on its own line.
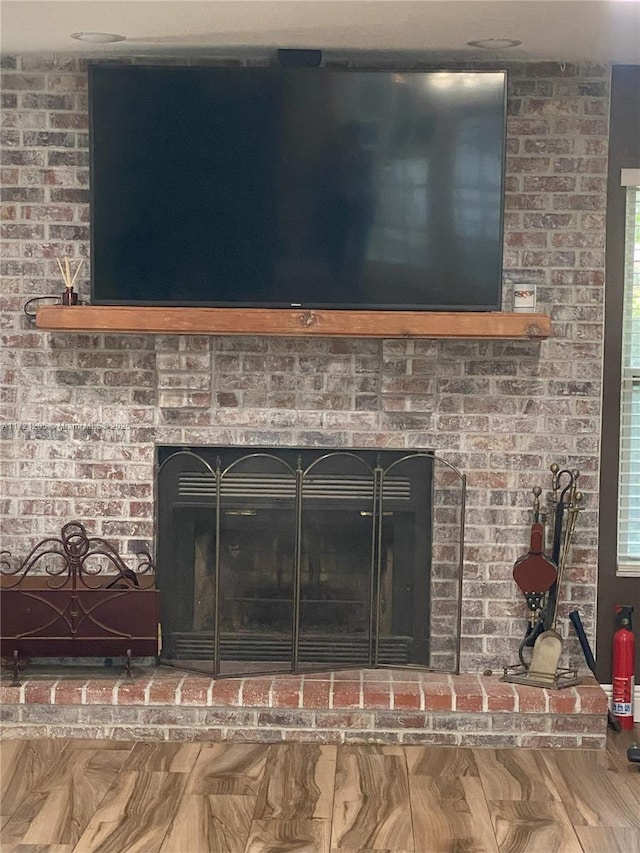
point(312, 187)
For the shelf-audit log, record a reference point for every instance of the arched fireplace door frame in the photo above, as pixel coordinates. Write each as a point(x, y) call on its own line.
point(210, 479)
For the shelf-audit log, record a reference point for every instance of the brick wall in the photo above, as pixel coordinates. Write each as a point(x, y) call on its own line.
point(82, 413)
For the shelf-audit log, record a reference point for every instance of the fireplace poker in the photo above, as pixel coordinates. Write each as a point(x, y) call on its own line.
point(564, 521)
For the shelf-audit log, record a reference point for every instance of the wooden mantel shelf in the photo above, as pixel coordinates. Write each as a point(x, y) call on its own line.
point(292, 322)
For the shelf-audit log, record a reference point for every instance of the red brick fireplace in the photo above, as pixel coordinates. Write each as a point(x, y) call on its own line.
point(84, 413)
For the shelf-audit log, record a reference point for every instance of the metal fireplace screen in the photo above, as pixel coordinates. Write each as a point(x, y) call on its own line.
point(290, 560)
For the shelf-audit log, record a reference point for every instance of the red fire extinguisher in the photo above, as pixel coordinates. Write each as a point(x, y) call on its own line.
point(624, 666)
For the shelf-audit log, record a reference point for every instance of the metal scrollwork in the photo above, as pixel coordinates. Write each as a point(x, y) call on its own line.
point(77, 559)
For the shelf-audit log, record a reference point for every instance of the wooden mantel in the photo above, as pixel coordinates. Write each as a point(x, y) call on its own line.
point(292, 322)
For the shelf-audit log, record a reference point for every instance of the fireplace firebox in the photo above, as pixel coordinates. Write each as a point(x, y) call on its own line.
point(296, 559)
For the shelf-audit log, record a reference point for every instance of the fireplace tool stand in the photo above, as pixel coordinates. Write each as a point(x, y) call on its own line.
point(540, 578)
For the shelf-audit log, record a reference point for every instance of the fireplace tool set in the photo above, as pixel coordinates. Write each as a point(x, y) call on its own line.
point(539, 576)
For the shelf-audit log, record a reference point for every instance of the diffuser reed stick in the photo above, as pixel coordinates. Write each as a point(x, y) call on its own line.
point(69, 297)
point(65, 272)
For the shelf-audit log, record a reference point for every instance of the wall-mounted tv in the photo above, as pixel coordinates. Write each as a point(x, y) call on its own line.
point(313, 187)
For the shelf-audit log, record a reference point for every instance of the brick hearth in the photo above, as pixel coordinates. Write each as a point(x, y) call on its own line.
point(359, 706)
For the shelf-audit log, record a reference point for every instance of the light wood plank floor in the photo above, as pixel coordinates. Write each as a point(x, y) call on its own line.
point(66, 796)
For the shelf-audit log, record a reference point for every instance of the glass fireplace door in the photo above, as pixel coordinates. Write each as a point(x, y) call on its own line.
point(257, 556)
point(293, 559)
point(338, 563)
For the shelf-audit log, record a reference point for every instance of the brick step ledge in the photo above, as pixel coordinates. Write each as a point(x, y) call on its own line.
point(355, 706)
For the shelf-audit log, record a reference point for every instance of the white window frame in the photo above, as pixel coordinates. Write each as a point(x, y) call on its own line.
point(628, 564)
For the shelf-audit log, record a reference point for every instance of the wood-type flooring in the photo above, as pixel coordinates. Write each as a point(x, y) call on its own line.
point(71, 796)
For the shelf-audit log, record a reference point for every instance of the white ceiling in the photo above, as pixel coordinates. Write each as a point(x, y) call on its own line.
point(559, 30)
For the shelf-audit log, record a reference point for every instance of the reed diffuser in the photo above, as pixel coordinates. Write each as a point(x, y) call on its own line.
point(69, 296)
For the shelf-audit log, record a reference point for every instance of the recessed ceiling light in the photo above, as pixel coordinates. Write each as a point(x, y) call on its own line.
point(494, 44)
point(98, 38)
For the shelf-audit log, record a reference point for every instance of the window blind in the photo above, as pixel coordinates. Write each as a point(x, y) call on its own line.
point(629, 472)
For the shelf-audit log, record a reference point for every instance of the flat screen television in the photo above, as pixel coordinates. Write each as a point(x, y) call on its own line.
point(284, 187)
